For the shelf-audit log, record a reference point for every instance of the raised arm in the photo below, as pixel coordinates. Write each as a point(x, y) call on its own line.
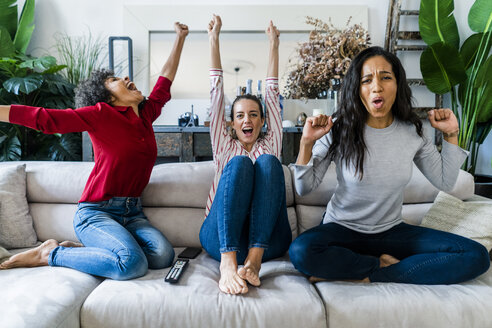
point(314, 128)
point(4, 113)
point(273, 34)
point(213, 37)
point(171, 66)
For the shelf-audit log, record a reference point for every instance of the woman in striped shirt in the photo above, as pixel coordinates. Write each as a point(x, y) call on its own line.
point(246, 216)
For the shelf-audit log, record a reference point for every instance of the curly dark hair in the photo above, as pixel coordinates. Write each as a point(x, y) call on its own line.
point(93, 90)
point(351, 115)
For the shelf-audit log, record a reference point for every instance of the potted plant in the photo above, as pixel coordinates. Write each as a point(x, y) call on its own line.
point(31, 81)
point(464, 72)
point(325, 56)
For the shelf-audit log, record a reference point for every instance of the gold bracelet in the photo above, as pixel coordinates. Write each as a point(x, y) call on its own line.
point(451, 135)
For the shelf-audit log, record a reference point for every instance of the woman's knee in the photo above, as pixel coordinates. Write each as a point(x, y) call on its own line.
point(161, 256)
point(131, 266)
point(477, 259)
point(270, 160)
point(299, 253)
point(240, 162)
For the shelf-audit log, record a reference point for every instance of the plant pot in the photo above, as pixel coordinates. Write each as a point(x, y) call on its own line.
point(483, 185)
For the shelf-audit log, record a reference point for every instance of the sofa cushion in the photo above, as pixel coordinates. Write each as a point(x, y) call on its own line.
point(285, 299)
point(472, 219)
point(56, 182)
point(43, 297)
point(190, 184)
point(391, 305)
point(418, 190)
point(54, 221)
point(4, 254)
point(181, 226)
point(16, 227)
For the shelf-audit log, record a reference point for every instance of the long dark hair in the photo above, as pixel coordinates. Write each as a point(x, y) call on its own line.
point(348, 143)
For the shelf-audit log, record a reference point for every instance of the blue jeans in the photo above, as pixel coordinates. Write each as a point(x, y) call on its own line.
point(426, 256)
point(119, 241)
point(248, 210)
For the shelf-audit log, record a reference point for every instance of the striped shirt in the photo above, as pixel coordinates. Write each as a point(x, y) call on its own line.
point(224, 147)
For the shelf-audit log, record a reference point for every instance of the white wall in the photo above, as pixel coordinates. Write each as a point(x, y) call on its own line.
point(106, 18)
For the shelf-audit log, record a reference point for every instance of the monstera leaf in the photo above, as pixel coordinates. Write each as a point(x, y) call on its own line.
point(442, 67)
point(437, 23)
point(26, 85)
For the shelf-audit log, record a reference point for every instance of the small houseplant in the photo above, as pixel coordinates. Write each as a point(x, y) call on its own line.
point(464, 72)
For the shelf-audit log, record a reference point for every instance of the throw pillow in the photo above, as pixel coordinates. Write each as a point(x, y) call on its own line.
point(16, 226)
point(471, 219)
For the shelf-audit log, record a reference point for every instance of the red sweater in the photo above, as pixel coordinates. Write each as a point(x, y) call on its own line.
point(124, 144)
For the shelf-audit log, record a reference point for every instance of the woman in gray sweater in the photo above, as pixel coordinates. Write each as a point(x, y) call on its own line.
point(373, 138)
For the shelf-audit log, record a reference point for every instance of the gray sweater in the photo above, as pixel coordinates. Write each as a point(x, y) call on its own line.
point(374, 204)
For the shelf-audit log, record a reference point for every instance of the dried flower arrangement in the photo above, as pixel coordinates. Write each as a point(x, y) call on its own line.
point(325, 56)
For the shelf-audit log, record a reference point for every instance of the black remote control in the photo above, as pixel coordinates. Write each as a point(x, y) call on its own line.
point(176, 271)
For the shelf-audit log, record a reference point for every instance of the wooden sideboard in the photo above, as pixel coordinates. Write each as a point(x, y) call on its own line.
point(192, 144)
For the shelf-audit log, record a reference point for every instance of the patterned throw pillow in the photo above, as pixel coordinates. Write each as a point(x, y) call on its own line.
point(472, 219)
point(16, 226)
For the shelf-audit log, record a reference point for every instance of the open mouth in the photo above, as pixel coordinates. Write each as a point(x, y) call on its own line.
point(377, 102)
point(248, 132)
point(131, 86)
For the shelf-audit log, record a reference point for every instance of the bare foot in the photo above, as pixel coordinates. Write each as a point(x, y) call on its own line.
point(387, 260)
point(68, 243)
point(32, 258)
point(251, 269)
point(230, 282)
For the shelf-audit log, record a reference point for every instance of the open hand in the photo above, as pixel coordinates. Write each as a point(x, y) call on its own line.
point(273, 33)
point(444, 120)
point(316, 127)
point(214, 26)
point(181, 29)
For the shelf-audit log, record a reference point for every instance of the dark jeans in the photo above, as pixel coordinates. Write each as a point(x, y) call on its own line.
point(248, 210)
point(426, 256)
point(120, 243)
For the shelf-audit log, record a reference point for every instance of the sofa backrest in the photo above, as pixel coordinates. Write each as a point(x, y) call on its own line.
point(419, 190)
point(174, 200)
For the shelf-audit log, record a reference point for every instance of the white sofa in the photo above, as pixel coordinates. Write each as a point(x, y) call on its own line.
point(174, 201)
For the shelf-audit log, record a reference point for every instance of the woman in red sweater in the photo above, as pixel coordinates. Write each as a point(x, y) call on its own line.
point(119, 242)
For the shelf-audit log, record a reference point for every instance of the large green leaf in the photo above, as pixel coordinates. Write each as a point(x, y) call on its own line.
point(480, 16)
point(25, 28)
point(442, 67)
point(437, 23)
point(10, 146)
point(484, 82)
point(8, 16)
point(39, 64)
point(67, 148)
point(25, 85)
point(470, 47)
point(6, 45)
point(7, 66)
